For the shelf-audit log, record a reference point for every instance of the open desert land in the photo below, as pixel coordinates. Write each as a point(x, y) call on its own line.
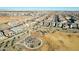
point(39, 31)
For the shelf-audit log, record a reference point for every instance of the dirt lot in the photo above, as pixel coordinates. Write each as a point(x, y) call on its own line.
point(53, 41)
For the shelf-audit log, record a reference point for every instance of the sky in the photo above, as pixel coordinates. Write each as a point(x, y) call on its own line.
point(39, 8)
point(39, 3)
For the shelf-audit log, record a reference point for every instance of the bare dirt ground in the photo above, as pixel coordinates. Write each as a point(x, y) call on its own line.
point(56, 41)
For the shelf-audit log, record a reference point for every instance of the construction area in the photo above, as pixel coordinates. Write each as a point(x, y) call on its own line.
point(39, 30)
